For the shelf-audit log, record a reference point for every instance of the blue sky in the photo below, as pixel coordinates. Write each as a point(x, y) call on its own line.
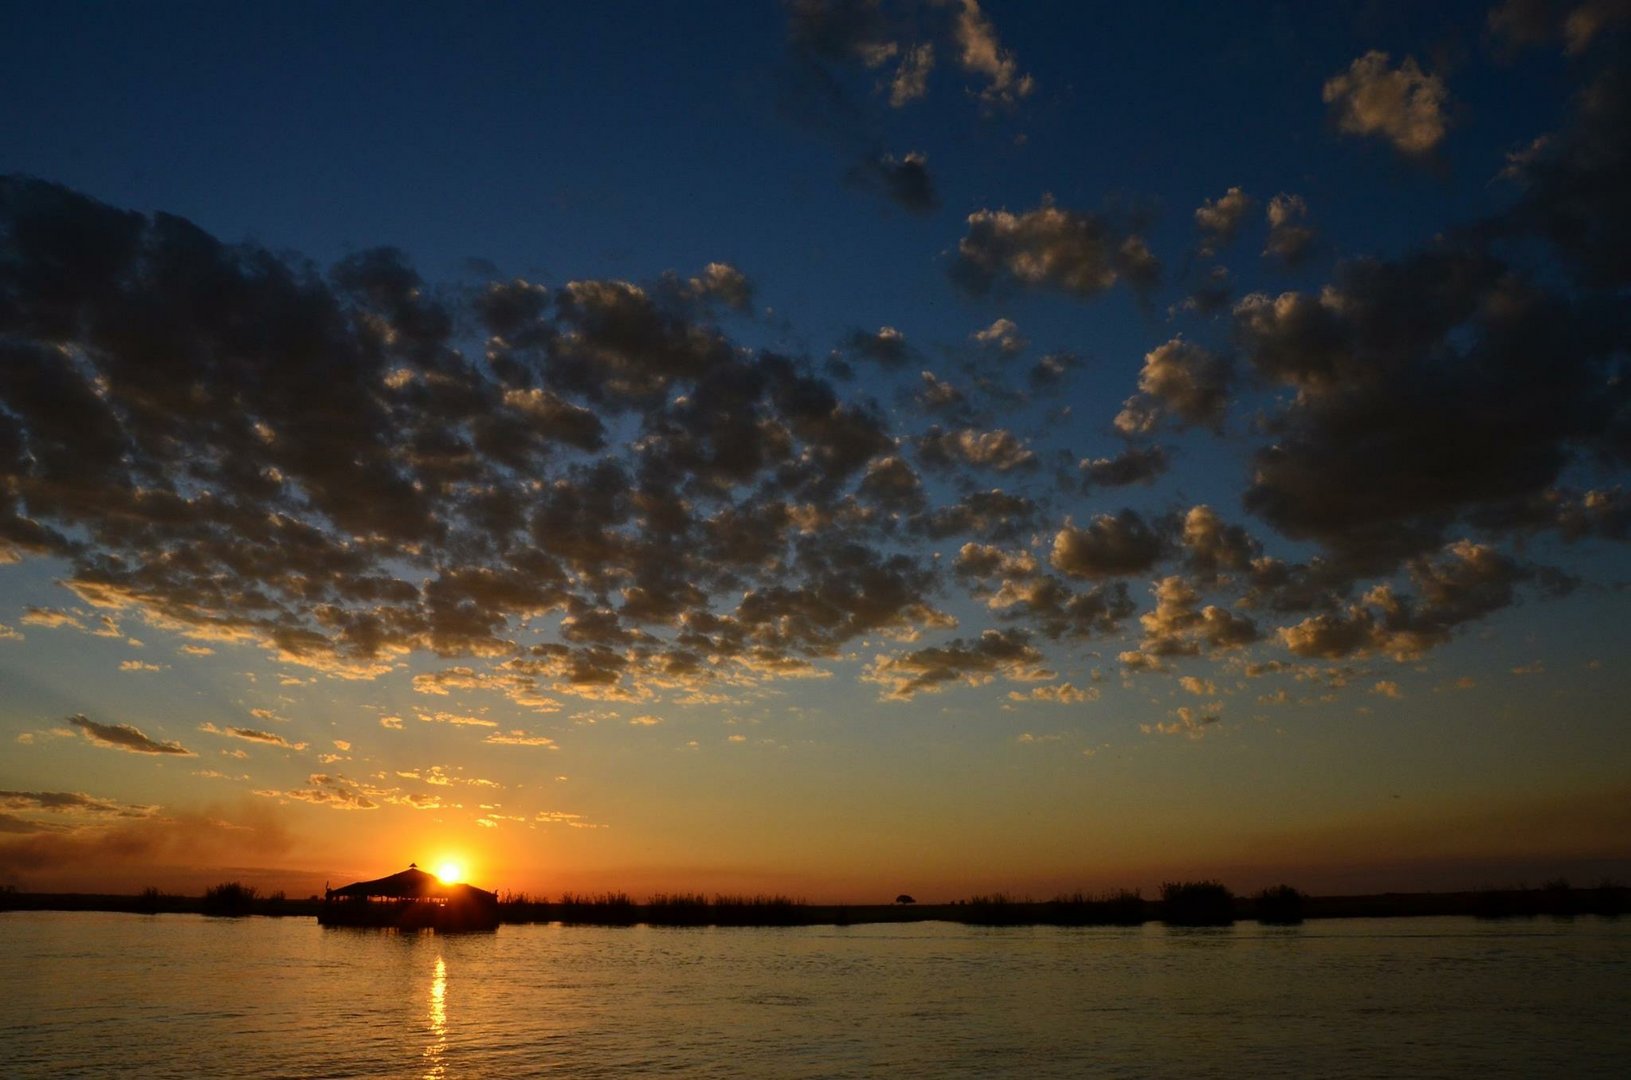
point(629, 523)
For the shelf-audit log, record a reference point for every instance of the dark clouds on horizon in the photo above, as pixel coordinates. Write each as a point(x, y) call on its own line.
point(594, 489)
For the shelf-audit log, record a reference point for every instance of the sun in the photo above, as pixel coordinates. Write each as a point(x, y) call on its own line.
point(450, 872)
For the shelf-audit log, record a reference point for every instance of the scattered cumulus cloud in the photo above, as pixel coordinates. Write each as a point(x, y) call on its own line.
point(266, 738)
point(1218, 220)
point(1182, 381)
point(1291, 239)
point(1075, 252)
point(1402, 105)
point(517, 737)
point(125, 737)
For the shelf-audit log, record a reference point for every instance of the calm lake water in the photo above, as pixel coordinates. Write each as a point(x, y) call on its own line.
point(104, 995)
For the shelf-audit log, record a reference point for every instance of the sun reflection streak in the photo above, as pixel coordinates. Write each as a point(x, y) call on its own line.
point(436, 1068)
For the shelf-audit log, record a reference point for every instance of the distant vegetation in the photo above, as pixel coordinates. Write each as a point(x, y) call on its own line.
point(1073, 909)
point(663, 909)
point(1194, 903)
point(1556, 898)
point(1280, 906)
point(1197, 903)
point(233, 899)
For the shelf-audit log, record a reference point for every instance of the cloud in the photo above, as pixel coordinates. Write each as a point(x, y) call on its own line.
point(1051, 370)
point(334, 792)
point(1007, 653)
point(456, 719)
point(1400, 370)
point(1592, 18)
point(911, 81)
point(1571, 187)
point(1182, 625)
point(835, 45)
point(1043, 602)
point(561, 817)
point(385, 495)
point(1219, 219)
point(1533, 22)
point(1189, 722)
point(1213, 548)
point(986, 560)
point(268, 738)
point(1291, 240)
point(1059, 694)
point(1465, 582)
point(1059, 612)
point(1211, 294)
point(342, 793)
point(1003, 336)
point(50, 618)
point(992, 515)
point(981, 53)
point(1000, 450)
point(1523, 22)
point(517, 737)
point(125, 737)
point(937, 395)
point(826, 35)
point(840, 592)
point(599, 489)
point(905, 180)
point(113, 850)
point(1403, 105)
point(1110, 546)
point(1182, 381)
point(71, 802)
point(887, 348)
point(1079, 253)
point(891, 485)
point(841, 30)
point(720, 283)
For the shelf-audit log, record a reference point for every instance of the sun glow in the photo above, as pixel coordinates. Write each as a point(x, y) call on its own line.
point(451, 873)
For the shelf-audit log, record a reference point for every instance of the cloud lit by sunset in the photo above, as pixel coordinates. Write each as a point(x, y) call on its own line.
point(833, 449)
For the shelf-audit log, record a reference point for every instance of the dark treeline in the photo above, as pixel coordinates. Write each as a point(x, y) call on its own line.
point(664, 909)
point(1183, 904)
point(229, 899)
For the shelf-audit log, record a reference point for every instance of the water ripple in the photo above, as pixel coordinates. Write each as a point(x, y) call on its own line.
point(88, 995)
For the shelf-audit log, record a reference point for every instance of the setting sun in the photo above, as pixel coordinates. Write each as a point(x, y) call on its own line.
point(451, 873)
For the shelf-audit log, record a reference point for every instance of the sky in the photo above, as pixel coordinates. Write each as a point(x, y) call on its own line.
point(832, 448)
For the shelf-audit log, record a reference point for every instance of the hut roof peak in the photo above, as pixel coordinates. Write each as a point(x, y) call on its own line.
point(411, 883)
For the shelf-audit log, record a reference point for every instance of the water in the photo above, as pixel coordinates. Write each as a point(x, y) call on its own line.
point(105, 995)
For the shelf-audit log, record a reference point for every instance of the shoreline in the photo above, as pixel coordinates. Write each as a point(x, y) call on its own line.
point(1606, 900)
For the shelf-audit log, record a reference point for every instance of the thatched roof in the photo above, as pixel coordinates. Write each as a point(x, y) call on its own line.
point(412, 884)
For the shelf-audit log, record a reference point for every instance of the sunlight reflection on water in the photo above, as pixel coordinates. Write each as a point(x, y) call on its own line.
point(93, 995)
point(436, 1067)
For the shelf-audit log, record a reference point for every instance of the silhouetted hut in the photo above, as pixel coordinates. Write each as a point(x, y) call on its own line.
point(410, 900)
